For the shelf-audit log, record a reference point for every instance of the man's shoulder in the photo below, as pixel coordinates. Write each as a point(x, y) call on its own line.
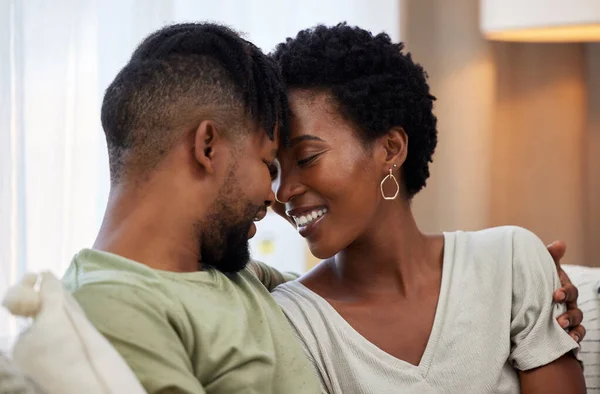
point(96, 272)
point(95, 268)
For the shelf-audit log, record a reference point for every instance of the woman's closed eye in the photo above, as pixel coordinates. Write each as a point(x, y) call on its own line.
point(307, 160)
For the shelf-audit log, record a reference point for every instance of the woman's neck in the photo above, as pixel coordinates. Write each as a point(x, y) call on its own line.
point(393, 257)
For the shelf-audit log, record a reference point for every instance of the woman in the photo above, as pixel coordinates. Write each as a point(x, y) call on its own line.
point(363, 134)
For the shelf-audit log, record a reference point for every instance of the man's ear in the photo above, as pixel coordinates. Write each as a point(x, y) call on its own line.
point(205, 139)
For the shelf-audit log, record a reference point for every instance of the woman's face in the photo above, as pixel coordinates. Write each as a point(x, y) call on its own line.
point(328, 180)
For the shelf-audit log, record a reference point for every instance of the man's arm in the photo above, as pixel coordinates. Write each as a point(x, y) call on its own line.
point(269, 276)
point(135, 322)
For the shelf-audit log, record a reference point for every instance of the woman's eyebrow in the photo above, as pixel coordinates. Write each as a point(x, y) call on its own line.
point(305, 137)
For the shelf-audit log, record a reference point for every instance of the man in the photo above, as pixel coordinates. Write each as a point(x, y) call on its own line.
point(192, 127)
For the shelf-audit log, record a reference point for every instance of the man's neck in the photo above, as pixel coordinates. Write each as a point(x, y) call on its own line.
point(148, 227)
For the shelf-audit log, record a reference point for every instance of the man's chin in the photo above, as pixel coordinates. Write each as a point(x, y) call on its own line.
point(235, 256)
point(229, 251)
point(231, 264)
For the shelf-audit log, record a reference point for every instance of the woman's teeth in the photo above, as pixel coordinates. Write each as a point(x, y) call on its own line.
point(310, 217)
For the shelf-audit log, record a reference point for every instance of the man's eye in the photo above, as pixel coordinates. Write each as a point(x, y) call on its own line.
point(272, 170)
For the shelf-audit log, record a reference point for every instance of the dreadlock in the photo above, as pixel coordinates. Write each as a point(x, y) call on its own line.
point(172, 77)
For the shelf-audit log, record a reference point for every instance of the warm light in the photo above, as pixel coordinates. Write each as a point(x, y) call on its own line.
point(573, 33)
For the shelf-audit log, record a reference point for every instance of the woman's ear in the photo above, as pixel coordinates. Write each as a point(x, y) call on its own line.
point(205, 139)
point(395, 147)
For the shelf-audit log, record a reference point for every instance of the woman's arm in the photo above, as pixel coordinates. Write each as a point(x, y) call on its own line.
point(269, 276)
point(541, 351)
point(562, 376)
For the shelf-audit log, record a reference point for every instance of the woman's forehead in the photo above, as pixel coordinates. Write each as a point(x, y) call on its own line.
point(314, 113)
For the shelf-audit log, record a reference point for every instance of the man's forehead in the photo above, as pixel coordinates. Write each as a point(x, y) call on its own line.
point(267, 145)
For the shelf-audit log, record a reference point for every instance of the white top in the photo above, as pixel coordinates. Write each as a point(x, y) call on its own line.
point(494, 315)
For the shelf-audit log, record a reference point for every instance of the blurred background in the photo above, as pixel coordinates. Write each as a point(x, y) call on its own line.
point(517, 82)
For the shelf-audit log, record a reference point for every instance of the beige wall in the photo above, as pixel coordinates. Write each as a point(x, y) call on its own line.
point(517, 143)
point(461, 77)
point(592, 169)
point(538, 141)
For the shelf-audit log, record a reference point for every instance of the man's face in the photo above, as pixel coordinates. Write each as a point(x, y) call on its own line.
point(244, 197)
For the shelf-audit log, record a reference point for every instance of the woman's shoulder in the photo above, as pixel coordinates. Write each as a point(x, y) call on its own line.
point(305, 290)
point(502, 233)
point(497, 252)
point(501, 240)
point(309, 314)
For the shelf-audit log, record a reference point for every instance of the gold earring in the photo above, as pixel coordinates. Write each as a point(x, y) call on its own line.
point(393, 178)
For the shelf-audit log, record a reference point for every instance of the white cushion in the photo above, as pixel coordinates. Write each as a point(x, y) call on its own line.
point(13, 380)
point(61, 350)
point(587, 281)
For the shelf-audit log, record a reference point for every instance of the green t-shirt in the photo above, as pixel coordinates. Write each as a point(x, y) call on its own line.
point(198, 332)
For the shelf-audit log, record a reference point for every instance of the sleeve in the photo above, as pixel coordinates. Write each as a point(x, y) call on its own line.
point(269, 276)
point(137, 325)
point(298, 319)
point(536, 337)
point(322, 385)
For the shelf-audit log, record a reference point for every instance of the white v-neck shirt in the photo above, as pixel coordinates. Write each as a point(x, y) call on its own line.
point(494, 316)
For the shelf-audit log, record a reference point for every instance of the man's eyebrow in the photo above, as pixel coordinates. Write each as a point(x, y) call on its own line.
point(304, 137)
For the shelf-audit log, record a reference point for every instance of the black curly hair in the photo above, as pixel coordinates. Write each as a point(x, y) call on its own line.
point(374, 85)
point(175, 74)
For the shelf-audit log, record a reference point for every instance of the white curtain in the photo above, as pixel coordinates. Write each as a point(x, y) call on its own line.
point(56, 59)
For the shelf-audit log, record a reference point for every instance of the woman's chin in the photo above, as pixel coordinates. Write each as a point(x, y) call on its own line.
point(321, 251)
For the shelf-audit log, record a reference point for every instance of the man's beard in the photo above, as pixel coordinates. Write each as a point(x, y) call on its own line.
point(224, 231)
